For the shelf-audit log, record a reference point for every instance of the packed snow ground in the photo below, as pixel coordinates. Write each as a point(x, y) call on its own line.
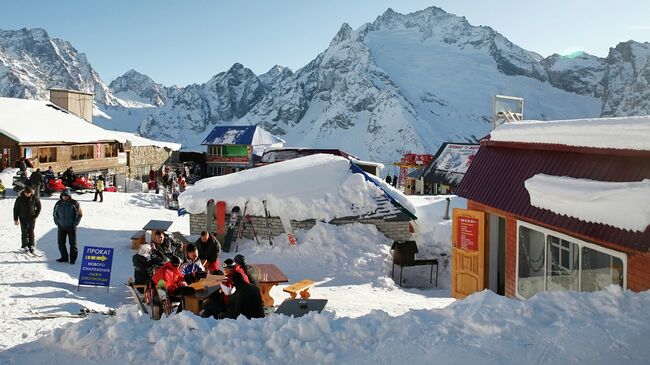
point(368, 319)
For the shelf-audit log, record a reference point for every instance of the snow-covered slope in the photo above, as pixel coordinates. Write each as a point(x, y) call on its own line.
point(402, 83)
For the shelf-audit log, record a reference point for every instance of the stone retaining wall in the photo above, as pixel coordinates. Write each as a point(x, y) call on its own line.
point(394, 230)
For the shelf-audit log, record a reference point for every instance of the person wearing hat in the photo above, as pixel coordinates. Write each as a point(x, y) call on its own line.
point(192, 269)
point(26, 209)
point(251, 272)
point(67, 215)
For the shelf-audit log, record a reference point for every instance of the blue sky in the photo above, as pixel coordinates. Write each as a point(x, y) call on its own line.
point(184, 42)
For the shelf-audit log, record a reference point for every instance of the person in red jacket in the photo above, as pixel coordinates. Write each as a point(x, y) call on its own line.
point(169, 276)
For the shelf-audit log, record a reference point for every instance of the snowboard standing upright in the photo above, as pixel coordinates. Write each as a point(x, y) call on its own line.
point(235, 216)
point(209, 227)
point(220, 220)
point(267, 219)
point(286, 224)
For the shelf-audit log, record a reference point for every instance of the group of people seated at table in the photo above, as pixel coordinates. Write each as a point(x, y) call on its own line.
point(160, 265)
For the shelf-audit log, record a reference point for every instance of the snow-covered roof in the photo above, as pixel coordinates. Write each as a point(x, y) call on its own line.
point(32, 121)
point(140, 141)
point(631, 133)
point(623, 205)
point(312, 187)
point(250, 135)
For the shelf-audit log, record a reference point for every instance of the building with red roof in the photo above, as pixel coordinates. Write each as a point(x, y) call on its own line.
point(560, 205)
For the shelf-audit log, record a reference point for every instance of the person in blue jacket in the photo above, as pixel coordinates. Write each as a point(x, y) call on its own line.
point(67, 215)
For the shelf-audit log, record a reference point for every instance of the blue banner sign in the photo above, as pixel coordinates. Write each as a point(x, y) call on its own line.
point(96, 266)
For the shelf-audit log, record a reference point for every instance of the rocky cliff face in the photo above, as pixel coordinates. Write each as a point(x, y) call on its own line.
point(627, 80)
point(403, 83)
point(31, 62)
point(138, 87)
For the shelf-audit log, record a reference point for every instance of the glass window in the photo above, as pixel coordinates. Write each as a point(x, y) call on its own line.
point(530, 278)
point(110, 150)
point(562, 265)
point(551, 261)
point(600, 270)
point(47, 154)
point(84, 152)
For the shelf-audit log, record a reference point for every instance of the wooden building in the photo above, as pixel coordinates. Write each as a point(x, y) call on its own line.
point(49, 135)
point(518, 240)
point(234, 148)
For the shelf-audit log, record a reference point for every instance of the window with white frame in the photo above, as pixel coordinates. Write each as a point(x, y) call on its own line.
point(551, 261)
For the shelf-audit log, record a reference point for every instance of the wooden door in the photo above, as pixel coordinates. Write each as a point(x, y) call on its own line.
point(467, 252)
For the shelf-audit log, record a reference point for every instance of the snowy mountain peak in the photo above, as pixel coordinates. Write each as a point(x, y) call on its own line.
point(33, 62)
point(139, 87)
point(344, 34)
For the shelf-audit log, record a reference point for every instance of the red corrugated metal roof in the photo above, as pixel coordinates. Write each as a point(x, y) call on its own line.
point(497, 174)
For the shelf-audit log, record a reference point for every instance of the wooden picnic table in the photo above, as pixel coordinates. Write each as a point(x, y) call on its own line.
point(204, 288)
point(270, 276)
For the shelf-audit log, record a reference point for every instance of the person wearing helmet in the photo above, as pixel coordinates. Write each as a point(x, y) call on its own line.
point(26, 209)
point(67, 215)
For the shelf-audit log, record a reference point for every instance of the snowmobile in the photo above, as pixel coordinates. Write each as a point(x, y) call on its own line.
point(19, 181)
point(53, 185)
point(81, 185)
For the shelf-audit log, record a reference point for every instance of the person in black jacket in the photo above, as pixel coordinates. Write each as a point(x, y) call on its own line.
point(26, 209)
point(35, 181)
point(252, 273)
point(209, 249)
point(67, 215)
point(246, 300)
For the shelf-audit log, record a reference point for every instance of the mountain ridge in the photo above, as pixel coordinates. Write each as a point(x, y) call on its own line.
point(369, 92)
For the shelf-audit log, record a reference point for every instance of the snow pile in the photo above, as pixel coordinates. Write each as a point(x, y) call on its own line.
point(139, 141)
point(484, 328)
point(625, 205)
point(619, 133)
point(7, 177)
point(313, 187)
point(38, 121)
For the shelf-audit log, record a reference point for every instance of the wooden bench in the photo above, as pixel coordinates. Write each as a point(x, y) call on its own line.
point(138, 239)
point(139, 294)
point(404, 255)
point(301, 287)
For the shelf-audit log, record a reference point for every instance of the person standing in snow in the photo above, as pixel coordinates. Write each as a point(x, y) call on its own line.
point(394, 181)
point(35, 181)
point(209, 249)
point(26, 209)
point(388, 180)
point(67, 215)
point(99, 189)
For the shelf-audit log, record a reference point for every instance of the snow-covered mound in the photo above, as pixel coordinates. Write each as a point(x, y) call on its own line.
point(313, 187)
point(550, 328)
